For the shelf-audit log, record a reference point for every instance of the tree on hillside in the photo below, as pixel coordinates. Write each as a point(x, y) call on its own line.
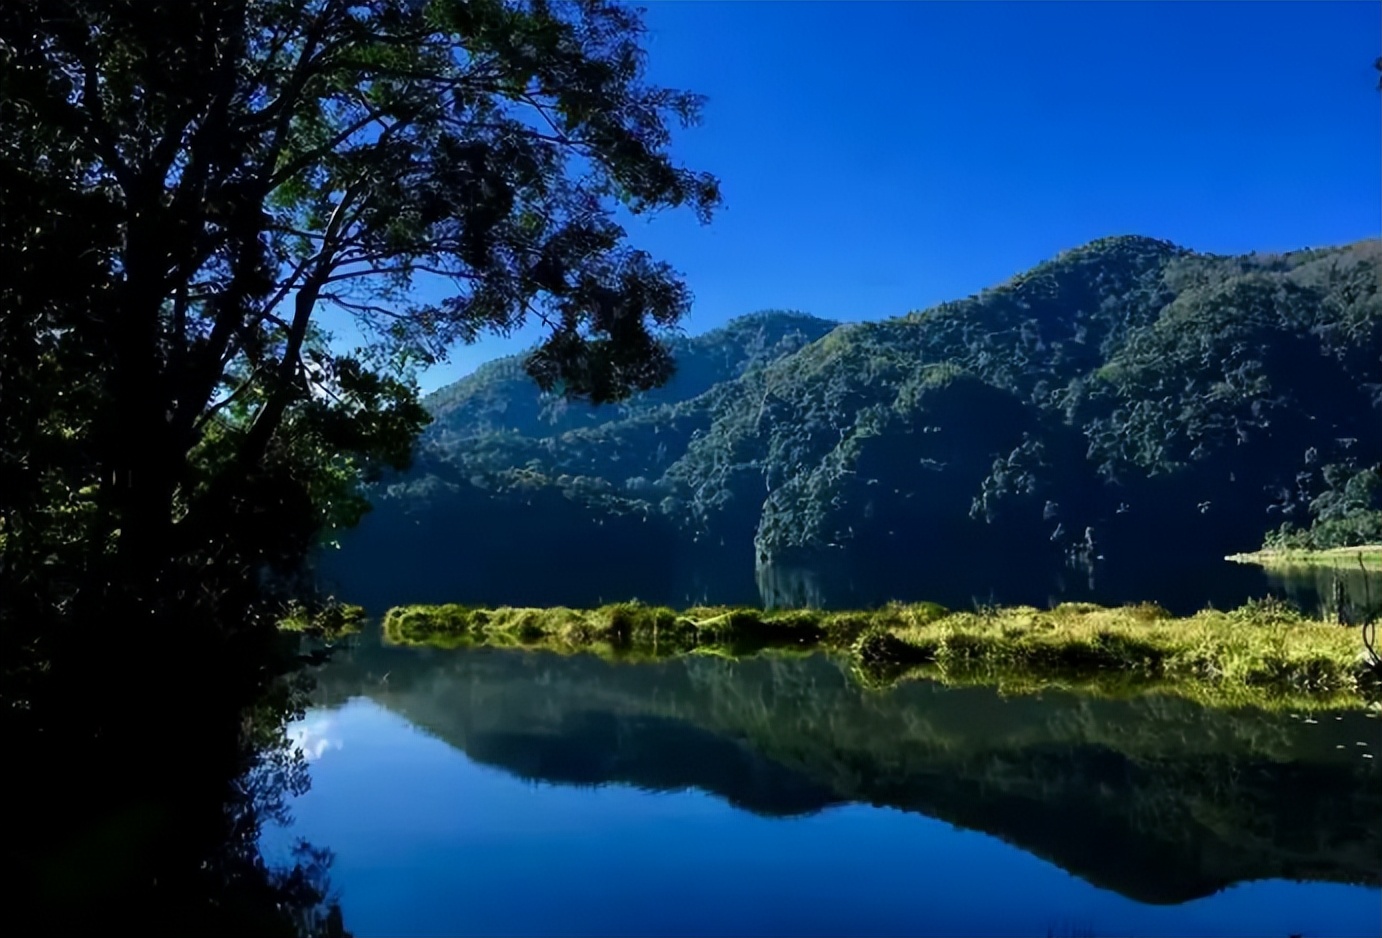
point(185, 189)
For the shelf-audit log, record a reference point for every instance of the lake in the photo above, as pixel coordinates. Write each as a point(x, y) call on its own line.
point(492, 791)
point(378, 572)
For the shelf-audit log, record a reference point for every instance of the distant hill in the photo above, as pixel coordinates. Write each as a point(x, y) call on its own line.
point(500, 396)
point(1125, 403)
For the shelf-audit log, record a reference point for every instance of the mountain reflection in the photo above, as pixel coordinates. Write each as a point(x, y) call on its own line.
point(1157, 798)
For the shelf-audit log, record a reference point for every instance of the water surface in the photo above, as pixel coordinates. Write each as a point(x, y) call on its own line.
point(589, 575)
point(501, 792)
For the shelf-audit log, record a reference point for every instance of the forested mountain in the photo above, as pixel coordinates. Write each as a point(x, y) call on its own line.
point(1127, 401)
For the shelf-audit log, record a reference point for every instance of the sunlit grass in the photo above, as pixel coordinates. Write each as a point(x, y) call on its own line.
point(328, 620)
point(1265, 649)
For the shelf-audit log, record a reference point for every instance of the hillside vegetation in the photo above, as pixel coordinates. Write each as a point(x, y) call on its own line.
point(1127, 400)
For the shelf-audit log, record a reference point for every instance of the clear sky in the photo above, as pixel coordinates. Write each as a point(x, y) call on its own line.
point(882, 157)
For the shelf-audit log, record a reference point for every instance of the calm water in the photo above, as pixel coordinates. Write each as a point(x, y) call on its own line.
point(500, 792)
point(431, 573)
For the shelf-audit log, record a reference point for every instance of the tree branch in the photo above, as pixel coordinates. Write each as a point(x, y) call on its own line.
point(362, 308)
point(269, 416)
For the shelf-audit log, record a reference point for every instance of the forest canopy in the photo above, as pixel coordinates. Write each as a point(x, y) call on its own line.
point(1126, 399)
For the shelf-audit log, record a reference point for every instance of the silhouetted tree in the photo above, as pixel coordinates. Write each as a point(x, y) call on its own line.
point(186, 188)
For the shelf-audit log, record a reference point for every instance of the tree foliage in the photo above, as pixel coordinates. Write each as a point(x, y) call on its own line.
point(1129, 400)
point(189, 186)
point(192, 195)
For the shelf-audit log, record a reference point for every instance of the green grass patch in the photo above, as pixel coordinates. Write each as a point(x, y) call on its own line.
point(328, 620)
point(629, 626)
point(1262, 649)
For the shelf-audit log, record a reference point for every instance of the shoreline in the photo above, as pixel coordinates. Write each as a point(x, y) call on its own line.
point(1265, 653)
point(1369, 555)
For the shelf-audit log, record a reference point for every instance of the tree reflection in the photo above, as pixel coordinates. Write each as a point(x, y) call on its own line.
point(159, 827)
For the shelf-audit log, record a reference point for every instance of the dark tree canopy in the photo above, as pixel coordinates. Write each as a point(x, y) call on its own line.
point(188, 186)
point(185, 190)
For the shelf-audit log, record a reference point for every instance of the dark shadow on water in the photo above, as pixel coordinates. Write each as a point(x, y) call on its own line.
point(154, 828)
point(1184, 589)
point(391, 563)
point(1342, 591)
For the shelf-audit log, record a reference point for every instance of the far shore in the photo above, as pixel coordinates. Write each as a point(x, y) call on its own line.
point(1369, 555)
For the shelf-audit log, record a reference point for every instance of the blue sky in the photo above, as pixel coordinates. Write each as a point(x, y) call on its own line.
point(882, 157)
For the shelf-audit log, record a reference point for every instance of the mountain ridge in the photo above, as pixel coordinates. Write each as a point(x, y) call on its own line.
point(1126, 398)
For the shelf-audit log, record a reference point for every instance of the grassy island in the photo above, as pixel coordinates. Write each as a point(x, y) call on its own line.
point(1262, 651)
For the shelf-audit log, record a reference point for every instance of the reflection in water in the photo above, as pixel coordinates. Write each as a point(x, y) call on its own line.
point(161, 834)
point(1317, 590)
point(383, 573)
point(1156, 798)
point(1355, 590)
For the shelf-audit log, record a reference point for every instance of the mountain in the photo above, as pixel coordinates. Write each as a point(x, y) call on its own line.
point(1126, 405)
point(500, 396)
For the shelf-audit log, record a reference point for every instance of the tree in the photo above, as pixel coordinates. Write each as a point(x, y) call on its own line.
point(189, 185)
point(186, 188)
